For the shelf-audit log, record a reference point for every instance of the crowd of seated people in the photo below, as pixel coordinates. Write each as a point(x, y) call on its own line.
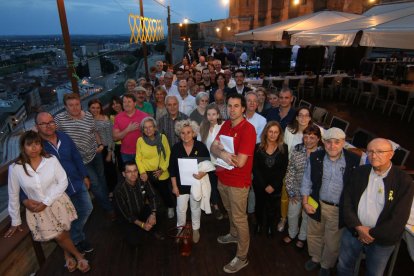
point(281, 170)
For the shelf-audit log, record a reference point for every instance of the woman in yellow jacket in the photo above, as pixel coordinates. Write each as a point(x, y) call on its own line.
point(152, 158)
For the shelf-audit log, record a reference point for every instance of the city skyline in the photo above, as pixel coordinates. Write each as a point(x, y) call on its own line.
point(99, 17)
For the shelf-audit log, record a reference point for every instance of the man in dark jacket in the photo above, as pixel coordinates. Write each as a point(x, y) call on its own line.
point(136, 202)
point(377, 204)
point(239, 88)
point(326, 174)
point(62, 146)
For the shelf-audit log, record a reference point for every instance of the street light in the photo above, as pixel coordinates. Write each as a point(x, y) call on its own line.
point(186, 20)
point(296, 2)
point(217, 29)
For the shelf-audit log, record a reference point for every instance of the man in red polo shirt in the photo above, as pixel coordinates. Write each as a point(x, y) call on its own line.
point(126, 127)
point(234, 184)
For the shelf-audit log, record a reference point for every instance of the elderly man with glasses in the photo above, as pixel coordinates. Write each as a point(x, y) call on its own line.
point(377, 204)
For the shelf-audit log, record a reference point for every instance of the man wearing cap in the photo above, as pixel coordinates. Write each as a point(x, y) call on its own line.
point(140, 94)
point(327, 172)
point(377, 204)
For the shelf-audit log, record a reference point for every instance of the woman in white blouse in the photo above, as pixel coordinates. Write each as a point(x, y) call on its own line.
point(209, 128)
point(49, 211)
point(294, 131)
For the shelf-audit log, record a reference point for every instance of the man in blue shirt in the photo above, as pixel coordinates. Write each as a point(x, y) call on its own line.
point(327, 172)
point(285, 113)
point(61, 145)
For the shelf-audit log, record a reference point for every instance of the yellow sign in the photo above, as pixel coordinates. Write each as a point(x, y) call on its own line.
point(144, 29)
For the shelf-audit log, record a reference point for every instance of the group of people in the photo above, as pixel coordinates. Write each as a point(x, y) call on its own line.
point(280, 169)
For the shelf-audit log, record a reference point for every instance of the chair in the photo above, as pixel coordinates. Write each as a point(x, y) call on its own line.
point(305, 103)
point(392, 260)
point(361, 138)
point(411, 114)
point(400, 156)
point(319, 115)
point(401, 100)
point(294, 101)
point(278, 84)
point(309, 84)
point(339, 123)
point(382, 95)
point(327, 86)
point(266, 83)
point(294, 85)
point(366, 92)
point(353, 89)
point(344, 87)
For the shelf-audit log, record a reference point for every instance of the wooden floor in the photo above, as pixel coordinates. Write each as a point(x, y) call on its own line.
point(112, 256)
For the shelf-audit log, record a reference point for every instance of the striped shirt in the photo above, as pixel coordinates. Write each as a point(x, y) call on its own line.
point(82, 131)
point(104, 128)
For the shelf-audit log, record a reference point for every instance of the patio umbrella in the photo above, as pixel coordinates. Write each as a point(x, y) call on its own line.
point(398, 18)
point(310, 21)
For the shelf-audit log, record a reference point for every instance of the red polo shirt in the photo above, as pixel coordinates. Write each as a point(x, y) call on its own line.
point(244, 136)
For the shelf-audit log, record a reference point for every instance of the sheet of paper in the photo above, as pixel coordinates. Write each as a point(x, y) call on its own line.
point(228, 143)
point(187, 167)
point(220, 162)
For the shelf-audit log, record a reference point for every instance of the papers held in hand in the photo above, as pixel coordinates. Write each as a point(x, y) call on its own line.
point(228, 145)
point(187, 167)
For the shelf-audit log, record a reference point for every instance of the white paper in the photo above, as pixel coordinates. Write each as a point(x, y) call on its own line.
point(187, 167)
point(228, 145)
point(222, 163)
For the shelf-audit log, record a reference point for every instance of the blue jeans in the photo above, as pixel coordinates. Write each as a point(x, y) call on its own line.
point(127, 157)
point(83, 205)
point(98, 183)
point(376, 256)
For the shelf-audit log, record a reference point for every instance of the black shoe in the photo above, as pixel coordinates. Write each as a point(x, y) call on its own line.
point(84, 247)
point(258, 229)
point(324, 272)
point(270, 232)
point(311, 265)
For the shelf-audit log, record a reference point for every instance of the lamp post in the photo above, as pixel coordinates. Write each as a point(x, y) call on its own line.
point(144, 44)
point(68, 48)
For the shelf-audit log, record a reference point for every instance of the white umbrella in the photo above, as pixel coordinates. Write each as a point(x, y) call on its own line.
point(310, 21)
point(343, 34)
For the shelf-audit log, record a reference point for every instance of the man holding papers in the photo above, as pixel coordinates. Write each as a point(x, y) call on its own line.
point(326, 173)
point(234, 183)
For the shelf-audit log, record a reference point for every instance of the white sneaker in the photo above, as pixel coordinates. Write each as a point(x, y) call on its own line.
point(235, 265)
point(228, 238)
point(170, 213)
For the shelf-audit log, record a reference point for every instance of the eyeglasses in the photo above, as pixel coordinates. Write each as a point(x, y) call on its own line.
point(377, 153)
point(51, 123)
point(303, 116)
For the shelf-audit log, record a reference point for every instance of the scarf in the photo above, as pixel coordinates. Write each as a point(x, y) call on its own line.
point(156, 142)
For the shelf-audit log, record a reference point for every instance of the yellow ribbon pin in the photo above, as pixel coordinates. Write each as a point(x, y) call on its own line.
point(390, 196)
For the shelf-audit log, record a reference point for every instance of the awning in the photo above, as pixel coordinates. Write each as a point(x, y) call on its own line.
point(311, 21)
point(396, 34)
point(343, 34)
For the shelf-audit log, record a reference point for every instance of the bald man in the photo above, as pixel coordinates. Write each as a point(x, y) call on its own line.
point(376, 207)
